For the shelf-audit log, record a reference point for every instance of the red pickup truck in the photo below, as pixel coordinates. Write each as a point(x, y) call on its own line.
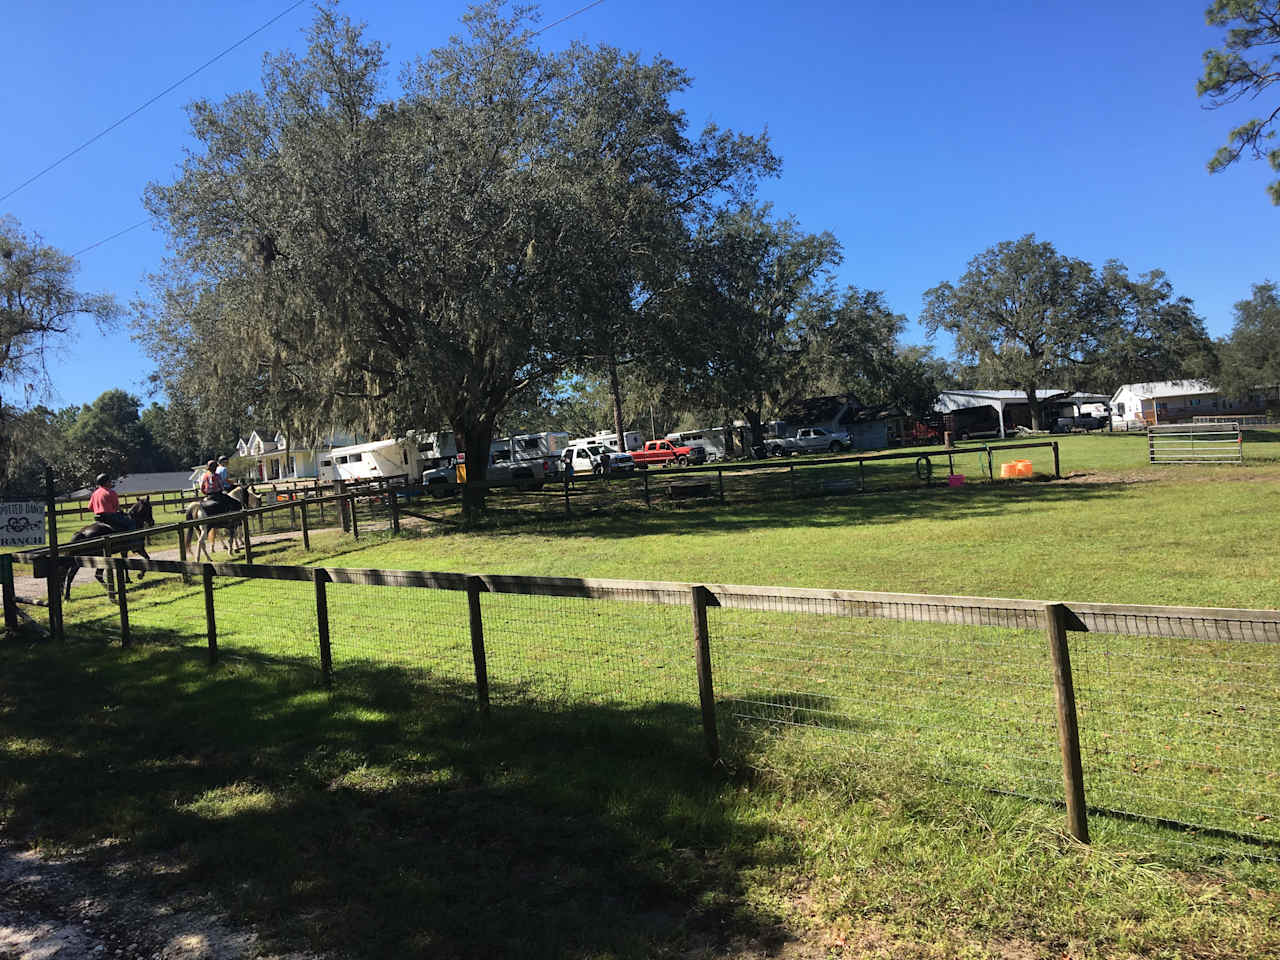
point(663, 453)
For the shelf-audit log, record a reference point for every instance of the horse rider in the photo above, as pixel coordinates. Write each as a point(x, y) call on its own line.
point(211, 487)
point(105, 504)
point(222, 472)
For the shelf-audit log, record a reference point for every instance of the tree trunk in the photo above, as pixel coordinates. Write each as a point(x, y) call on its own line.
point(757, 429)
point(615, 391)
point(1034, 403)
point(474, 439)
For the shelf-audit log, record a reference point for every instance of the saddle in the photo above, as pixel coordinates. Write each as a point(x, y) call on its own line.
point(119, 522)
point(217, 503)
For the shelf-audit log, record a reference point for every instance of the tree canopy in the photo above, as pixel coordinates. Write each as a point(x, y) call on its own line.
point(1026, 315)
point(1232, 73)
point(341, 258)
point(39, 305)
point(1251, 355)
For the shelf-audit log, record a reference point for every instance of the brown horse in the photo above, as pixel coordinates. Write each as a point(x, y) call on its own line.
point(141, 515)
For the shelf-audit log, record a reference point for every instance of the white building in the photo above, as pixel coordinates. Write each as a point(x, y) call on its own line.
point(1179, 401)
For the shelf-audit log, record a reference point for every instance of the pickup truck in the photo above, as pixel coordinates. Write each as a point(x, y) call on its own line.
point(808, 440)
point(664, 453)
point(589, 458)
point(521, 474)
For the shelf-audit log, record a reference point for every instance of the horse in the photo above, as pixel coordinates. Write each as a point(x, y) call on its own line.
point(221, 517)
point(140, 513)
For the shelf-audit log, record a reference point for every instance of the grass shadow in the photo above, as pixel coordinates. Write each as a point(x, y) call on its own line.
point(387, 818)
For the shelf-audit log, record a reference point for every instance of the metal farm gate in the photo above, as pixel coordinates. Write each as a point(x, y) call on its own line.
point(1195, 443)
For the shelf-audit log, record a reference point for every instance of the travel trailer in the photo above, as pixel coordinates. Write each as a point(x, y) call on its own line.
point(634, 440)
point(711, 440)
point(369, 461)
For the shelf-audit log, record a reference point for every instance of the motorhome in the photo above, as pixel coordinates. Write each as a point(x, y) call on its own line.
point(711, 440)
point(634, 440)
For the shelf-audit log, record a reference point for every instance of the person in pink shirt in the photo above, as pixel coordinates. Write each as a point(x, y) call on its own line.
point(105, 504)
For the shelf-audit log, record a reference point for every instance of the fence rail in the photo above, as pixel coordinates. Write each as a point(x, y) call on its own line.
point(1162, 714)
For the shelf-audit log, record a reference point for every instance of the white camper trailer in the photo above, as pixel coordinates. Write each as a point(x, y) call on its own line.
point(711, 440)
point(369, 461)
point(435, 450)
point(634, 440)
point(534, 446)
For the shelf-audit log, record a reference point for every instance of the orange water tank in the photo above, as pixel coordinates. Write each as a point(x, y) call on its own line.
point(1022, 468)
point(1008, 471)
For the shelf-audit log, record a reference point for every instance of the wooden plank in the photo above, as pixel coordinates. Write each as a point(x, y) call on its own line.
point(1068, 728)
point(10, 598)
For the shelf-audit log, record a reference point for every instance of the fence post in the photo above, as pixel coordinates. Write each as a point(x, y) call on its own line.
point(211, 624)
point(306, 534)
point(568, 512)
point(355, 524)
point(1056, 471)
point(182, 554)
point(322, 627)
point(991, 470)
point(702, 649)
point(393, 505)
point(720, 474)
point(54, 580)
point(342, 505)
point(477, 643)
point(10, 598)
point(1068, 728)
point(122, 599)
point(791, 480)
point(248, 547)
point(647, 502)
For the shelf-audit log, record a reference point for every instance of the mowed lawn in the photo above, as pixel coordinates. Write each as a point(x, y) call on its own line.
point(582, 818)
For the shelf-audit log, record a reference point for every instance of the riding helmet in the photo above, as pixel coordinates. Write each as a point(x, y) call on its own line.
point(212, 465)
point(102, 478)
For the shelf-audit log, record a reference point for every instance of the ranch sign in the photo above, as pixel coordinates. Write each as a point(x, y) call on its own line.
point(21, 524)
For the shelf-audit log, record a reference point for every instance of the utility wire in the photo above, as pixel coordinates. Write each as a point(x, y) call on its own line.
point(541, 30)
point(136, 111)
point(112, 237)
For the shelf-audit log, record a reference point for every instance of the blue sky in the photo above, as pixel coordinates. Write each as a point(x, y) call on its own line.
point(919, 134)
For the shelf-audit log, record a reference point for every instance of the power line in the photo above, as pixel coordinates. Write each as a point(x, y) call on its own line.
point(112, 237)
point(136, 111)
point(540, 30)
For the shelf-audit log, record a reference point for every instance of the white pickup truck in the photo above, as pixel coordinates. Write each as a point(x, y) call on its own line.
point(588, 457)
point(809, 440)
point(521, 474)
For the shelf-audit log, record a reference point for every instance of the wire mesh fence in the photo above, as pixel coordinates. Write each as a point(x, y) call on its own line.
point(1183, 730)
point(971, 705)
point(1176, 707)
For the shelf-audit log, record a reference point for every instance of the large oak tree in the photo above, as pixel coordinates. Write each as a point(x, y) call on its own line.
point(344, 258)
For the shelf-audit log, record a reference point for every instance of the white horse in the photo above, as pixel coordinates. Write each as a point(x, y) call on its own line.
point(221, 517)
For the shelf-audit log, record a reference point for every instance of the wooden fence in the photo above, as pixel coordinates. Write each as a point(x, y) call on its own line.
point(1208, 628)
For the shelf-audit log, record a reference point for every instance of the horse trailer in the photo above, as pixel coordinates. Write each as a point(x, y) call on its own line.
point(634, 440)
point(711, 440)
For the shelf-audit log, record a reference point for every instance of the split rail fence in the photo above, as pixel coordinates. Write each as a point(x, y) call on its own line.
point(1118, 713)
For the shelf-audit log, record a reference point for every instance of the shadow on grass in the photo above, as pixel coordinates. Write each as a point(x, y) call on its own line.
point(388, 818)
point(975, 500)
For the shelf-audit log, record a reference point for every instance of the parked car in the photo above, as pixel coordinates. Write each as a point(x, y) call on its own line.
point(664, 453)
point(589, 456)
point(809, 440)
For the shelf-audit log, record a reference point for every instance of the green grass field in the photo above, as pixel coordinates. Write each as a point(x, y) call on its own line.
point(582, 818)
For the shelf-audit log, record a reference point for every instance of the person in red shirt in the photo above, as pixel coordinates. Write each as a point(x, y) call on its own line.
point(212, 488)
point(105, 504)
